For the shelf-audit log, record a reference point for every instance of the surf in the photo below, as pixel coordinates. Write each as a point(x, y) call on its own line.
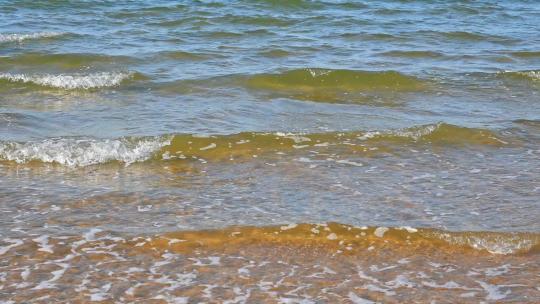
point(75, 152)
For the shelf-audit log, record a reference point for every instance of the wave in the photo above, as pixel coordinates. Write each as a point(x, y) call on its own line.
point(333, 237)
point(4, 38)
point(465, 36)
point(372, 36)
point(331, 85)
point(248, 144)
point(82, 152)
point(312, 84)
point(528, 122)
point(70, 81)
point(275, 53)
point(183, 55)
point(472, 36)
point(413, 54)
point(532, 75)
point(291, 4)
point(257, 20)
point(242, 146)
point(357, 239)
point(526, 54)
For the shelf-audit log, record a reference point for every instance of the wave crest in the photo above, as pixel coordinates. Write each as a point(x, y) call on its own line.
point(83, 152)
point(330, 85)
point(70, 82)
point(71, 61)
point(532, 75)
point(357, 238)
point(31, 36)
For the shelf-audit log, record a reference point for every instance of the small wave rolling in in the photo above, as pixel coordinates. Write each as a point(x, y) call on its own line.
point(4, 38)
point(83, 152)
point(69, 82)
point(269, 152)
point(333, 85)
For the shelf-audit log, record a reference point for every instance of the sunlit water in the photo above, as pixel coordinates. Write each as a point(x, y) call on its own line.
point(269, 151)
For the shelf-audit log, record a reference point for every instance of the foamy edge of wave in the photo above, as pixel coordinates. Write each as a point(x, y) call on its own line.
point(22, 37)
point(491, 243)
point(532, 75)
point(74, 81)
point(83, 152)
point(414, 133)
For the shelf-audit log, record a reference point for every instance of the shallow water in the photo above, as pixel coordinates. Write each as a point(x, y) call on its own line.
point(256, 151)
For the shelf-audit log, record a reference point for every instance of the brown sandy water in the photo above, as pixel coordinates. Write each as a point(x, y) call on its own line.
point(292, 263)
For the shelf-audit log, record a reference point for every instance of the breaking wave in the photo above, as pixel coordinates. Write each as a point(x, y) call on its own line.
point(70, 81)
point(83, 152)
point(4, 38)
point(531, 75)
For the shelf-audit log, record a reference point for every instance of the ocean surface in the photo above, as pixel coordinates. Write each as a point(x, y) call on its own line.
point(269, 151)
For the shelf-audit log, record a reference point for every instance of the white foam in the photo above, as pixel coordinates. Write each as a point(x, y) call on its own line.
point(401, 280)
point(82, 152)
point(71, 81)
point(349, 162)
point(409, 229)
point(22, 37)
point(380, 231)
point(210, 146)
point(297, 138)
point(413, 133)
point(100, 294)
point(497, 271)
point(332, 236)
point(493, 291)
point(14, 243)
point(358, 300)
point(213, 261)
point(172, 299)
point(43, 242)
point(91, 234)
point(318, 72)
point(417, 133)
point(446, 285)
point(492, 243)
point(533, 75)
point(290, 226)
point(57, 274)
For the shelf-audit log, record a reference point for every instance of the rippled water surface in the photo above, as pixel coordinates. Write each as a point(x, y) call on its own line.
point(269, 151)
